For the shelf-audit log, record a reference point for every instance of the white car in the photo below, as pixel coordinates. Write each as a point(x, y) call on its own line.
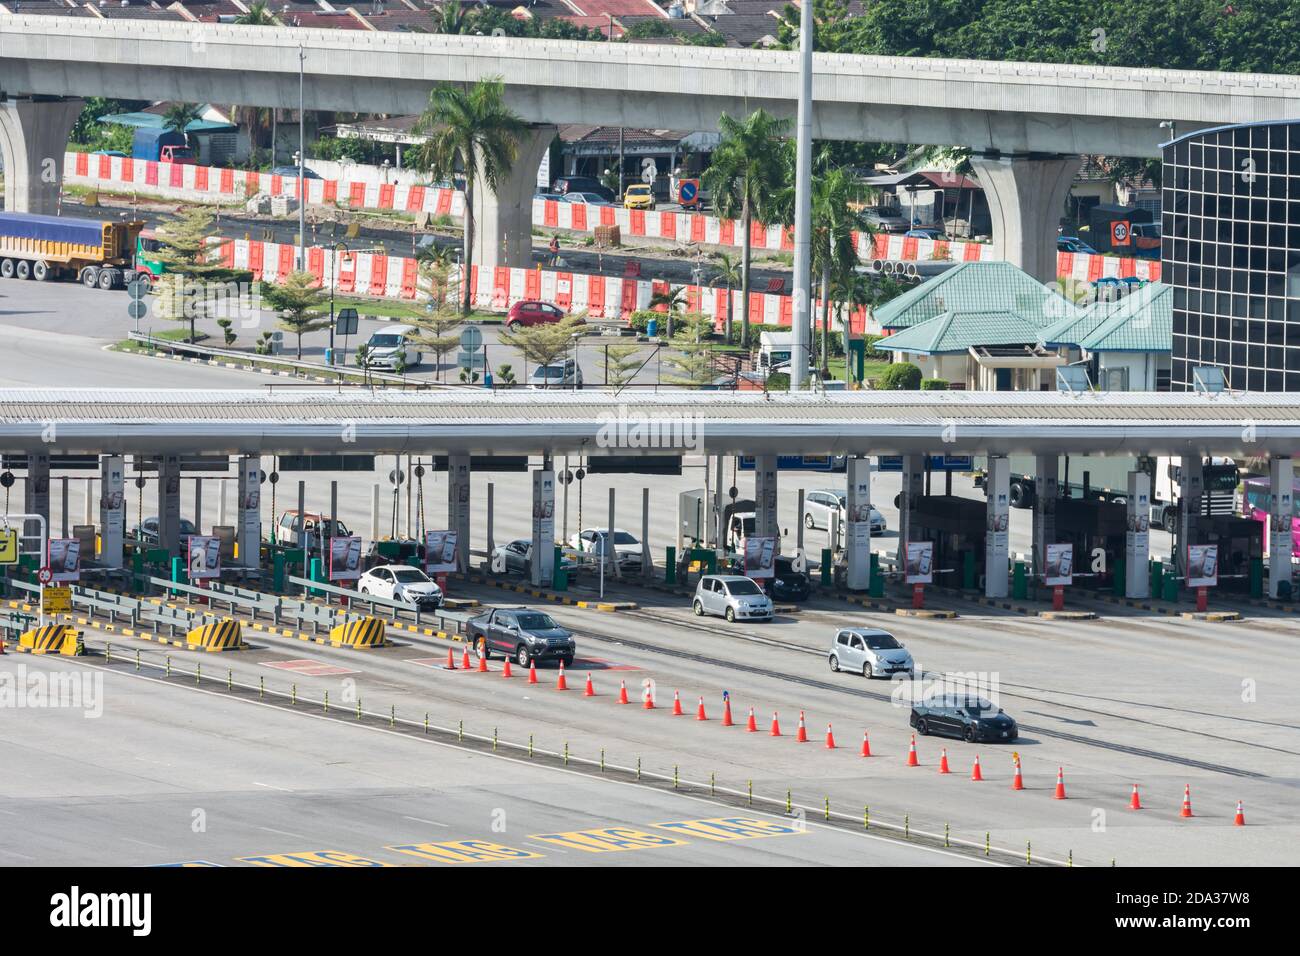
point(401, 582)
point(732, 596)
point(870, 652)
point(627, 549)
point(565, 374)
point(392, 348)
point(516, 557)
point(819, 505)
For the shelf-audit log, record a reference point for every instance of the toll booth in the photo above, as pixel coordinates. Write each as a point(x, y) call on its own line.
point(1089, 524)
point(956, 526)
point(1241, 550)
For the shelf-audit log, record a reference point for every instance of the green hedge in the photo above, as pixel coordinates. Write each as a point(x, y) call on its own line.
point(934, 385)
point(900, 377)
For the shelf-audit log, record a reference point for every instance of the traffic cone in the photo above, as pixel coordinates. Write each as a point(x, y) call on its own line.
point(943, 761)
point(975, 770)
point(866, 745)
point(776, 727)
point(647, 699)
point(451, 660)
point(1059, 793)
point(482, 665)
point(911, 754)
point(464, 659)
point(677, 704)
point(1135, 802)
point(751, 725)
point(560, 682)
point(622, 692)
point(801, 736)
point(726, 712)
point(830, 738)
point(1240, 819)
point(505, 669)
point(589, 690)
point(1017, 782)
point(532, 672)
point(1186, 811)
point(699, 711)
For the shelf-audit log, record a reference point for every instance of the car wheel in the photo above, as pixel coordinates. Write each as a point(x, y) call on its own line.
point(698, 608)
point(730, 616)
point(365, 591)
point(923, 727)
point(867, 671)
point(568, 661)
point(808, 521)
point(835, 664)
point(521, 655)
point(968, 735)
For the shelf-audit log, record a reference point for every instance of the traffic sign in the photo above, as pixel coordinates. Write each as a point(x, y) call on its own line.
point(471, 339)
point(8, 546)
point(45, 575)
point(396, 477)
point(471, 359)
point(137, 288)
point(687, 191)
point(56, 600)
point(137, 309)
point(346, 322)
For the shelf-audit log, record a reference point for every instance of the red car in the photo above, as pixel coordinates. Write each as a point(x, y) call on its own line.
point(533, 313)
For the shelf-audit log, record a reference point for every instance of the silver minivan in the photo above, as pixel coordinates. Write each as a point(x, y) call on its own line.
point(733, 596)
point(870, 652)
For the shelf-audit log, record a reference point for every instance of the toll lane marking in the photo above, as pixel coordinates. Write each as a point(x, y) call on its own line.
point(726, 829)
point(608, 839)
point(312, 858)
point(464, 851)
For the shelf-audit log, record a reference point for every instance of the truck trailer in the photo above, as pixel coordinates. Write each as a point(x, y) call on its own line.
point(99, 253)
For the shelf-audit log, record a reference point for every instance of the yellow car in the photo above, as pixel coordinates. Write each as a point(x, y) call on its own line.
point(638, 197)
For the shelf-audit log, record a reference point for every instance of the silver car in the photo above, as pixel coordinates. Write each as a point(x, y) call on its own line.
point(733, 596)
point(870, 652)
point(819, 505)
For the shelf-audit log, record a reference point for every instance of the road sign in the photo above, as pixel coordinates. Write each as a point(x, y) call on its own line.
point(688, 190)
point(137, 288)
point(471, 359)
point(346, 322)
point(471, 339)
point(9, 546)
point(396, 477)
point(137, 309)
point(56, 600)
point(45, 575)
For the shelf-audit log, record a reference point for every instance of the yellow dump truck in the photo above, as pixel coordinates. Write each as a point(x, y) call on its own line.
point(98, 253)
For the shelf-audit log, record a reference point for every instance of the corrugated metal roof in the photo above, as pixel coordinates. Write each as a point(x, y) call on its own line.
point(1142, 321)
point(953, 332)
point(976, 287)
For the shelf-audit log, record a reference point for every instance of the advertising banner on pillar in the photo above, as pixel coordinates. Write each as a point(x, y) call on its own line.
point(65, 559)
point(204, 557)
point(1058, 570)
point(1281, 514)
point(112, 508)
point(248, 528)
point(760, 557)
point(858, 511)
point(345, 558)
point(1202, 565)
point(543, 527)
point(440, 552)
point(919, 568)
point(1137, 537)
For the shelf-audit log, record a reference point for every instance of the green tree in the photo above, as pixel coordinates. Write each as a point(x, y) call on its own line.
point(179, 116)
point(744, 175)
point(727, 274)
point(469, 130)
point(621, 363)
point(673, 303)
point(835, 220)
point(188, 255)
point(297, 303)
point(257, 15)
point(543, 344)
point(901, 377)
point(693, 362)
point(452, 18)
point(435, 332)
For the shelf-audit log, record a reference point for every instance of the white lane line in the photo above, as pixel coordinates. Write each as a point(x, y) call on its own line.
point(21, 856)
point(271, 786)
point(296, 836)
point(156, 846)
point(433, 823)
point(548, 847)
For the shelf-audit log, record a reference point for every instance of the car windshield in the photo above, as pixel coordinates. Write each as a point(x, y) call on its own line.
point(981, 708)
point(742, 588)
point(410, 576)
point(549, 371)
point(881, 642)
point(536, 622)
point(622, 537)
point(384, 341)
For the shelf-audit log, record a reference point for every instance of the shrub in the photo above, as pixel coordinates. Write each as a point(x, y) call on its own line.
point(901, 377)
point(934, 385)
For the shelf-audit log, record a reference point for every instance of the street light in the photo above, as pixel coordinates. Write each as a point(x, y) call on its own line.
point(302, 159)
point(344, 259)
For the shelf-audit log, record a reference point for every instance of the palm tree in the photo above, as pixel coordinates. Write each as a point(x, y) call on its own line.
point(473, 132)
point(674, 300)
point(744, 174)
point(728, 274)
point(834, 252)
point(257, 15)
point(179, 116)
point(451, 17)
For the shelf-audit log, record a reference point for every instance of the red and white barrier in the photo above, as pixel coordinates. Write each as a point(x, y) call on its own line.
point(1086, 267)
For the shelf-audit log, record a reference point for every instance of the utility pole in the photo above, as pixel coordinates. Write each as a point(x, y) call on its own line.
point(302, 160)
point(800, 353)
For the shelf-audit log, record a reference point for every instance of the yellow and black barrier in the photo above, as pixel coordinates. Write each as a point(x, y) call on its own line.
point(224, 635)
point(363, 632)
point(52, 639)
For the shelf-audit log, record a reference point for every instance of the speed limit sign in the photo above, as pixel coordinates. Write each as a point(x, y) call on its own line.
point(45, 575)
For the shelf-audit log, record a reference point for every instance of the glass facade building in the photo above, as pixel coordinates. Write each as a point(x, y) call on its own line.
point(1230, 249)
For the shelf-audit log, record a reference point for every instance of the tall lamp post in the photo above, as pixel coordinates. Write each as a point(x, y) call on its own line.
point(801, 355)
point(302, 160)
point(343, 259)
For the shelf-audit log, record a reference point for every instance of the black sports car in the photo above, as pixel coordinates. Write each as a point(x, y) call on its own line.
point(971, 720)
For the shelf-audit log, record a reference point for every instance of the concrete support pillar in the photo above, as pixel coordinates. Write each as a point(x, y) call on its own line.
point(913, 485)
point(543, 562)
point(719, 517)
point(998, 485)
point(33, 135)
point(1046, 491)
point(857, 543)
point(610, 553)
point(112, 509)
point(198, 505)
point(374, 511)
point(799, 523)
point(36, 492)
point(458, 485)
point(1026, 197)
point(491, 519)
point(1137, 537)
point(503, 218)
point(169, 504)
point(302, 541)
point(1191, 490)
point(1281, 473)
point(766, 523)
point(248, 521)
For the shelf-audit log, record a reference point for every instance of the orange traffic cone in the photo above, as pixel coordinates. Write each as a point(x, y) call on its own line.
point(911, 754)
point(560, 682)
point(776, 727)
point(1135, 802)
point(866, 745)
point(532, 672)
point(677, 704)
point(589, 690)
point(464, 659)
point(451, 660)
point(1240, 819)
point(1187, 802)
point(1059, 793)
point(801, 736)
point(505, 669)
point(648, 699)
point(699, 711)
point(622, 692)
point(943, 761)
point(1017, 782)
point(975, 770)
point(751, 726)
point(726, 712)
point(482, 665)
point(830, 738)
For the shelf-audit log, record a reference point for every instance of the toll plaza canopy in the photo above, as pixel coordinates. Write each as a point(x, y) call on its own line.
point(320, 420)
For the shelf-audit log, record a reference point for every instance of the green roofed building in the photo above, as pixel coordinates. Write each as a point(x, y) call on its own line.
point(974, 287)
point(1127, 344)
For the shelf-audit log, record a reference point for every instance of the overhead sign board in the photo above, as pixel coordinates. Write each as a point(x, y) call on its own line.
point(937, 463)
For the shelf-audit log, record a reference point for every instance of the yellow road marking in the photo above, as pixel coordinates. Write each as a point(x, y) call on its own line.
point(608, 839)
point(731, 828)
point(464, 851)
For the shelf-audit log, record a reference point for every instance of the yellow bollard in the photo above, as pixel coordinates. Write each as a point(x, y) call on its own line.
point(168, 671)
point(1028, 858)
point(866, 818)
point(566, 753)
point(789, 806)
point(198, 672)
point(986, 844)
point(602, 759)
point(638, 768)
point(426, 721)
point(530, 745)
point(137, 658)
point(392, 716)
point(358, 708)
point(327, 702)
point(261, 687)
point(293, 695)
point(108, 653)
point(230, 680)
point(828, 808)
point(907, 827)
point(494, 740)
point(713, 783)
point(460, 731)
point(751, 792)
point(1069, 858)
point(946, 832)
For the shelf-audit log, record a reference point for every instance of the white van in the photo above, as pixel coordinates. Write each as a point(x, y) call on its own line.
point(774, 348)
point(384, 348)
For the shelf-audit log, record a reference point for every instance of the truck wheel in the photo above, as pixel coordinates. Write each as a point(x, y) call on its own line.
point(23, 270)
point(90, 276)
point(6, 268)
point(40, 271)
point(107, 278)
point(1020, 495)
